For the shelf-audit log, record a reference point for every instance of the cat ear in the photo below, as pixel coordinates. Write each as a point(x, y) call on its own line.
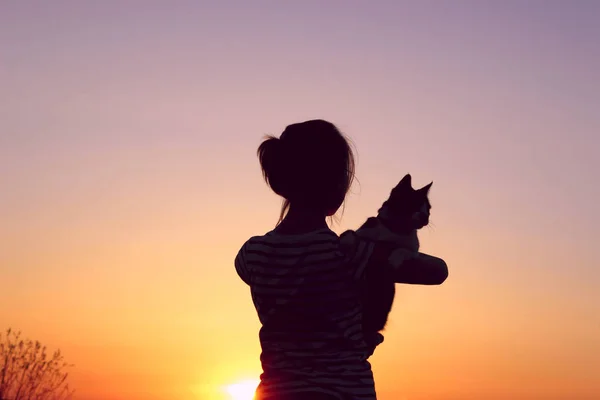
point(426, 188)
point(406, 181)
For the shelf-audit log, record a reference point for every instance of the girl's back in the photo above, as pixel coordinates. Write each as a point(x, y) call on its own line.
point(306, 290)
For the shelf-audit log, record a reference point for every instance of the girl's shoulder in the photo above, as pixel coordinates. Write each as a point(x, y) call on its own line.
point(261, 248)
point(278, 240)
point(358, 250)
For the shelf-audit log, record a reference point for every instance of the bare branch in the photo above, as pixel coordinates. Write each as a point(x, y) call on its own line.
point(28, 373)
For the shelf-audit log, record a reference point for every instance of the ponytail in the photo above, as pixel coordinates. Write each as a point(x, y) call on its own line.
point(272, 158)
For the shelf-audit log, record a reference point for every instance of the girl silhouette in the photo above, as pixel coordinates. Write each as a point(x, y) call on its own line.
point(305, 283)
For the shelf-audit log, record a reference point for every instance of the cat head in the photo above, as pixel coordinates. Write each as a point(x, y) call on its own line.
point(407, 208)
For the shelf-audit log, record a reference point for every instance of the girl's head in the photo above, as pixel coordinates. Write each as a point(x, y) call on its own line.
point(311, 165)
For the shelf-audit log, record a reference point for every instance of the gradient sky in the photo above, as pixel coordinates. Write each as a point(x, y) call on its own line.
point(128, 181)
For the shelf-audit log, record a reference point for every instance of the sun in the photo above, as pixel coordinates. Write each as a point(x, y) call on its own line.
point(243, 390)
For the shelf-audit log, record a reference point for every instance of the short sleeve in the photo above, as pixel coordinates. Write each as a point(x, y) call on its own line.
point(358, 252)
point(240, 265)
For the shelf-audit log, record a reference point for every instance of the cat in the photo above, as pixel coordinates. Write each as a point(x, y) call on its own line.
point(400, 217)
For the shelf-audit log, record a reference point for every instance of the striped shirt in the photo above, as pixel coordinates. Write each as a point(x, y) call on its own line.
point(307, 291)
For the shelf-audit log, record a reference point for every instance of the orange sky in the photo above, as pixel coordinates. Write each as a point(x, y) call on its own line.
point(129, 181)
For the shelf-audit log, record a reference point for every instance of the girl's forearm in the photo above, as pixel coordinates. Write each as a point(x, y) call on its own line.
point(417, 268)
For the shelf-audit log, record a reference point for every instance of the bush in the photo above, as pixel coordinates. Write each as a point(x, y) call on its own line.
point(27, 372)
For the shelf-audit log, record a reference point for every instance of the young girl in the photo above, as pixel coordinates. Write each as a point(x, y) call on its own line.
point(306, 282)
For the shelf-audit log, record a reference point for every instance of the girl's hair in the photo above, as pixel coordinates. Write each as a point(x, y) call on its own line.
point(311, 163)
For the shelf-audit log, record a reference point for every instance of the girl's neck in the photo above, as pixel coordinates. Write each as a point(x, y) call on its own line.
point(301, 220)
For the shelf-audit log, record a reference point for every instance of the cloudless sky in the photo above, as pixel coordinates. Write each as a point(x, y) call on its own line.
point(128, 182)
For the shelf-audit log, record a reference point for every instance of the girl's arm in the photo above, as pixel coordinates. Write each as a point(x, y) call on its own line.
point(419, 269)
point(410, 267)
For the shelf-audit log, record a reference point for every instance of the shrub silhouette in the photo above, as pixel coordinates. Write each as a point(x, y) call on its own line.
point(27, 372)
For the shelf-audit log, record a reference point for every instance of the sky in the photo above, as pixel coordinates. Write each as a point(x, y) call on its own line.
point(129, 181)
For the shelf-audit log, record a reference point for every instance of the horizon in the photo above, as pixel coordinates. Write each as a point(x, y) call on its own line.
point(130, 177)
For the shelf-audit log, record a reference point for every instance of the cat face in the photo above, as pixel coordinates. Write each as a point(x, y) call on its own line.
point(408, 208)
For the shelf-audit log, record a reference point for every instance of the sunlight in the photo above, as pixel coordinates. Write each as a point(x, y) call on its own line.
point(243, 390)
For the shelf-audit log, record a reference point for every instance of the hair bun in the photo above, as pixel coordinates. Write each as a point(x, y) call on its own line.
point(272, 157)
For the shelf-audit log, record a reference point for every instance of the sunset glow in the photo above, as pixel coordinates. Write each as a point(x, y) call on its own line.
point(243, 390)
point(129, 180)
